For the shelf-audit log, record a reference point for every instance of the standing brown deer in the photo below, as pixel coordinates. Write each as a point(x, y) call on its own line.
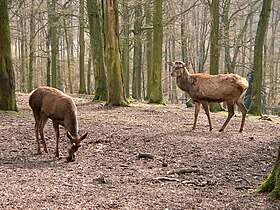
point(50, 103)
point(205, 88)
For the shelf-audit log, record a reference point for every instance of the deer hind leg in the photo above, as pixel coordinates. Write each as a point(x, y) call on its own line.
point(206, 109)
point(37, 121)
point(196, 111)
point(42, 124)
point(243, 109)
point(230, 107)
point(56, 131)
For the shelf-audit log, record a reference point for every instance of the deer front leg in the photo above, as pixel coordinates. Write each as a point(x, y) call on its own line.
point(196, 111)
point(206, 109)
point(56, 131)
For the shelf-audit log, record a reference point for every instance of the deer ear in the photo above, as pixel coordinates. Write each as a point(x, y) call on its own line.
point(69, 135)
point(170, 63)
point(84, 136)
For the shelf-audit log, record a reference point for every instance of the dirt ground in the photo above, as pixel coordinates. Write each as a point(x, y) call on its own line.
point(109, 174)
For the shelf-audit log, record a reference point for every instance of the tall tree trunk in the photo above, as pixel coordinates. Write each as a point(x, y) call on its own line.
point(7, 77)
point(68, 57)
point(137, 53)
point(82, 49)
point(203, 49)
point(22, 49)
point(149, 47)
point(214, 38)
point(31, 48)
point(125, 49)
point(54, 47)
point(89, 73)
point(271, 64)
point(214, 46)
point(256, 102)
point(97, 48)
point(183, 36)
point(116, 96)
point(156, 81)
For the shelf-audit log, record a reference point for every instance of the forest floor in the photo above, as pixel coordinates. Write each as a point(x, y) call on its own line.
point(222, 170)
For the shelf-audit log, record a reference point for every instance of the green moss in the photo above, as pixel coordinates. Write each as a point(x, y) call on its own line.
point(272, 184)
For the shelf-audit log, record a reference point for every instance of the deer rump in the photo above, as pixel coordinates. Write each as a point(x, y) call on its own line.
point(50, 103)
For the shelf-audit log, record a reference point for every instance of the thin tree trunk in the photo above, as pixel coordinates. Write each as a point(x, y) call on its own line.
point(82, 49)
point(31, 48)
point(68, 57)
point(125, 49)
point(54, 47)
point(256, 102)
point(137, 56)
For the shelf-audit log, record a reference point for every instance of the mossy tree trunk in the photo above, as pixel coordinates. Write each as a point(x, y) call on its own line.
point(272, 184)
point(116, 96)
point(256, 98)
point(156, 81)
point(214, 46)
point(7, 77)
point(97, 49)
point(82, 88)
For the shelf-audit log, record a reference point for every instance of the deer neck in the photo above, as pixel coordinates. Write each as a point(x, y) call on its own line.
point(72, 125)
point(182, 81)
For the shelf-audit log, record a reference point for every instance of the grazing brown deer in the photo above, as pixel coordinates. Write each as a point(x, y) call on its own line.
point(205, 88)
point(50, 103)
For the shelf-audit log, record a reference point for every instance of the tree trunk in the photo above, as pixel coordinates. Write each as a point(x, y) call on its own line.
point(82, 88)
point(214, 38)
point(125, 49)
point(23, 61)
point(256, 102)
point(97, 48)
point(156, 81)
point(31, 48)
point(137, 53)
point(272, 184)
point(54, 47)
point(68, 57)
point(89, 73)
point(116, 96)
point(214, 47)
point(149, 47)
point(7, 77)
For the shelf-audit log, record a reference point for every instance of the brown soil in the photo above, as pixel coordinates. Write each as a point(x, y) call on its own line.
point(109, 174)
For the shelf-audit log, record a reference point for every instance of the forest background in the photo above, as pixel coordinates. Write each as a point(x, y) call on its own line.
point(62, 44)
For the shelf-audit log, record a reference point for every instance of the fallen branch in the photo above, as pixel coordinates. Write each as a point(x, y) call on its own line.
point(164, 178)
point(184, 170)
point(145, 155)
